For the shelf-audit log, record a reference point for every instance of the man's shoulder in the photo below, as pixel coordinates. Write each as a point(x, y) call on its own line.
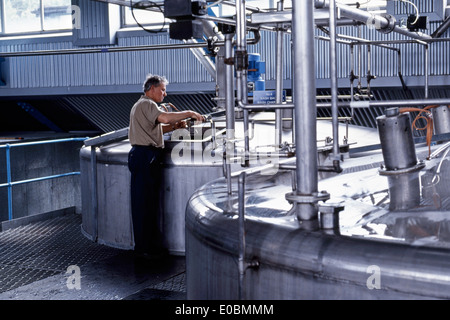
point(145, 102)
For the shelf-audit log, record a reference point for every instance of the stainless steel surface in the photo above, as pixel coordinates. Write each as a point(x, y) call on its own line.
point(108, 138)
point(441, 119)
point(111, 224)
point(397, 141)
point(229, 104)
point(241, 69)
point(283, 248)
point(279, 78)
point(304, 97)
point(334, 79)
point(185, 168)
point(404, 191)
point(379, 22)
point(241, 209)
point(376, 254)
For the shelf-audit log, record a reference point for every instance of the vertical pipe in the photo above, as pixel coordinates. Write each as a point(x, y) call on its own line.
point(208, 28)
point(279, 80)
point(241, 263)
point(241, 25)
point(305, 106)
point(334, 83)
point(291, 113)
point(359, 60)
point(220, 80)
point(94, 191)
point(241, 66)
point(8, 178)
point(246, 126)
point(229, 81)
point(369, 71)
point(41, 7)
point(241, 96)
point(229, 105)
point(2, 16)
point(352, 75)
point(426, 71)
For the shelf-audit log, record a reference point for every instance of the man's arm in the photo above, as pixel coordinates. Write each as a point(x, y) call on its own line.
point(174, 117)
point(171, 127)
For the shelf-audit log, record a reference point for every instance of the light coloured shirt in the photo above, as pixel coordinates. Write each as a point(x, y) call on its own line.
point(145, 130)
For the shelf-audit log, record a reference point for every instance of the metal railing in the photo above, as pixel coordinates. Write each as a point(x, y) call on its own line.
point(9, 183)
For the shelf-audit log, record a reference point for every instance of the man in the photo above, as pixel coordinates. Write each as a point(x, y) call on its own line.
point(148, 123)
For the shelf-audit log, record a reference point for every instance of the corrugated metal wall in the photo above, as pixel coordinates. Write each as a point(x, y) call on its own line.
point(101, 69)
point(112, 112)
point(180, 66)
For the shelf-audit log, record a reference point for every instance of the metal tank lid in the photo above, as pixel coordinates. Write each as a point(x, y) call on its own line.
point(370, 210)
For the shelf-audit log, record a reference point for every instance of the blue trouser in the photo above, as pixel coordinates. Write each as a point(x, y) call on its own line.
point(144, 164)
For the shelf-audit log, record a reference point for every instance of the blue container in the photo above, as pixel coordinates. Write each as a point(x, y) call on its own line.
point(256, 68)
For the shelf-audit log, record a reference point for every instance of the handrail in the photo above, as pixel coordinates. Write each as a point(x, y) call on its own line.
point(9, 184)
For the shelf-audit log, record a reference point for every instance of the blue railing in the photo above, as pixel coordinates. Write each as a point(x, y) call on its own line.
point(9, 184)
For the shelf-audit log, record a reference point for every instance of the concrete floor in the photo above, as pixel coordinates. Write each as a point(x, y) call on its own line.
point(52, 260)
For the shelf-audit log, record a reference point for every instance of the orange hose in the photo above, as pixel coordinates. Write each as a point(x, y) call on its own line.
point(429, 120)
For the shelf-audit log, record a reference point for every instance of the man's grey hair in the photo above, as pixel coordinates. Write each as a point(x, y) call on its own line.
point(154, 80)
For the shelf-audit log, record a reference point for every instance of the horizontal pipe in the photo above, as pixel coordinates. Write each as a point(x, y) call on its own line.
point(405, 41)
point(260, 169)
point(39, 179)
point(391, 103)
point(347, 40)
point(103, 50)
point(120, 49)
point(24, 144)
point(266, 106)
point(377, 21)
point(290, 119)
point(353, 104)
point(10, 183)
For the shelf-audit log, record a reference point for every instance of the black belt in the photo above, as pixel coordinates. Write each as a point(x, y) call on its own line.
point(149, 147)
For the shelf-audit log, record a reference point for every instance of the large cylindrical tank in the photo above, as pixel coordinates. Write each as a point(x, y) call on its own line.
point(373, 256)
point(184, 170)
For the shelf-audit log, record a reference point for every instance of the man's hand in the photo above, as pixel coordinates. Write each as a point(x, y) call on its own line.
point(180, 125)
point(197, 116)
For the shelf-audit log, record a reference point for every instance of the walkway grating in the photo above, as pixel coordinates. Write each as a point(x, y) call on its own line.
point(45, 248)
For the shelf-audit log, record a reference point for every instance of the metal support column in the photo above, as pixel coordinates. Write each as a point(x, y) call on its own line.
point(241, 66)
point(279, 81)
point(305, 109)
point(229, 106)
point(336, 157)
